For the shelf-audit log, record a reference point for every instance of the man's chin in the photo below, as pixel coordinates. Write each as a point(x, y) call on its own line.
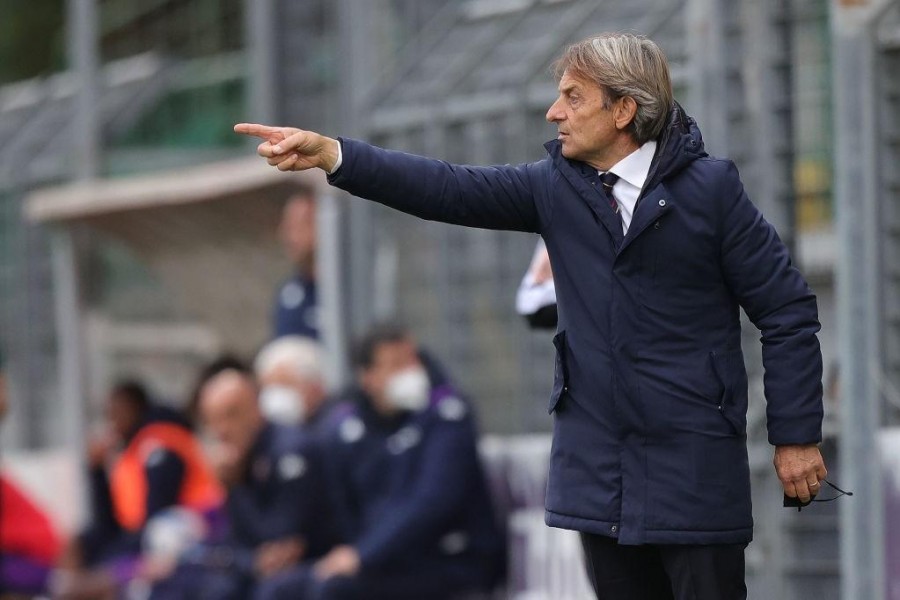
point(567, 151)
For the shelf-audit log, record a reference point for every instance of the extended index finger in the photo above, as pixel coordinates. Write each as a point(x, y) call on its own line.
point(256, 130)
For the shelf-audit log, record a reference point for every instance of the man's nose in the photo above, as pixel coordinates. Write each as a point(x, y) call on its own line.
point(553, 113)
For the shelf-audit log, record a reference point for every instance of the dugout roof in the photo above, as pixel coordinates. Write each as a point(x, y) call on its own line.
point(208, 232)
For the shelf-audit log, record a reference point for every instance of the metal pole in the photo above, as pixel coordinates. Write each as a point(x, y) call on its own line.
point(769, 95)
point(84, 66)
point(83, 61)
point(356, 21)
point(73, 406)
point(330, 287)
point(261, 80)
point(861, 517)
point(708, 82)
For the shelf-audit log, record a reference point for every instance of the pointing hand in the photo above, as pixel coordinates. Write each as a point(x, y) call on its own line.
point(292, 149)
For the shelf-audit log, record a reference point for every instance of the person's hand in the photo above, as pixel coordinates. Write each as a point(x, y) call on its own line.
point(800, 469)
point(275, 556)
point(99, 448)
point(81, 585)
point(154, 569)
point(292, 149)
point(540, 267)
point(342, 560)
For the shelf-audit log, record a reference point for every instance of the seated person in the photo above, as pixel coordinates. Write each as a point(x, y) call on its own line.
point(407, 486)
point(148, 461)
point(292, 383)
point(207, 371)
point(275, 505)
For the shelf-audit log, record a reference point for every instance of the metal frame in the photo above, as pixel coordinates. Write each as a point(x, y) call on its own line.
point(856, 176)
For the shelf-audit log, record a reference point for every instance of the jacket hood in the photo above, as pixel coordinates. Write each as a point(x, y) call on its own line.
point(679, 144)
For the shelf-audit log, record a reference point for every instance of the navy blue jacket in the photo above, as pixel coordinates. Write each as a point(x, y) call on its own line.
point(411, 488)
point(650, 389)
point(296, 308)
point(282, 494)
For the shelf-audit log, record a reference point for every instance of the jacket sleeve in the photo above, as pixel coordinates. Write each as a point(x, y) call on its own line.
point(165, 475)
point(448, 464)
point(103, 520)
point(501, 197)
point(344, 510)
point(757, 268)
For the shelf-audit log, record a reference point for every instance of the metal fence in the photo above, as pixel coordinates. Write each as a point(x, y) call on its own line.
point(475, 90)
point(471, 84)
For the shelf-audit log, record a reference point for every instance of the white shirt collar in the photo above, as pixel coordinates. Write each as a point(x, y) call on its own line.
point(635, 167)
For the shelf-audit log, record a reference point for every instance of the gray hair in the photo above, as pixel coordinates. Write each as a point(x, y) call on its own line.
point(625, 65)
point(301, 354)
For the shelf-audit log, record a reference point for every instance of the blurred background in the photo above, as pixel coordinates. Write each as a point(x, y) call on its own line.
point(138, 234)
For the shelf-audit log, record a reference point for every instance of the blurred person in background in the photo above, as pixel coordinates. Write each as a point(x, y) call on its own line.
point(146, 461)
point(656, 248)
point(29, 542)
point(276, 509)
point(222, 362)
point(408, 489)
point(291, 377)
point(536, 296)
point(296, 304)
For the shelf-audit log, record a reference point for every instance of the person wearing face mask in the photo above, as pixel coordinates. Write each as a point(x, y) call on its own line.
point(290, 372)
point(407, 487)
point(276, 506)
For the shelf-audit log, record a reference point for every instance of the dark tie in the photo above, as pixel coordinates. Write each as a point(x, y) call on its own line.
point(609, 180)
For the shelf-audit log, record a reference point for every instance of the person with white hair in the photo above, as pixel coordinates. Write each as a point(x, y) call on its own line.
point(290, 372)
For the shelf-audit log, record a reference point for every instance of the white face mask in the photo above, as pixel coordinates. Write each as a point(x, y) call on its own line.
point(409, 389)
point(282, 405)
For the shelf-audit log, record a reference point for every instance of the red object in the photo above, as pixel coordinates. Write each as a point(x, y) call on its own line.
point(25, 530)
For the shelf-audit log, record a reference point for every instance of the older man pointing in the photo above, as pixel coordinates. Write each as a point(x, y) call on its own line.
point(654, 247)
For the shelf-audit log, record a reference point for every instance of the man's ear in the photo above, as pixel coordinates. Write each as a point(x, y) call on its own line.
point(624, 112)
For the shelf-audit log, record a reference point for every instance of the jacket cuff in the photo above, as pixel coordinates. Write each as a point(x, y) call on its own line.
point(340, 159)
point(343, 168)
point(795, 431)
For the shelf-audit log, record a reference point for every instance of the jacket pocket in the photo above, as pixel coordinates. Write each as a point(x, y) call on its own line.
point(560, 374)
point(728, 366)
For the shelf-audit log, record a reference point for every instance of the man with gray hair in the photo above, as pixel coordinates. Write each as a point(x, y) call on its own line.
point(290, 372)
point(655, 248)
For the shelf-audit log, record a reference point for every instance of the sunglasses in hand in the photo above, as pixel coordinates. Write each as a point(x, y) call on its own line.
point(799, 504)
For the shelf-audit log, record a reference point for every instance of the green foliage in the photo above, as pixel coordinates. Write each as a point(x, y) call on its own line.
point(32, 38)
point(195, 117)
